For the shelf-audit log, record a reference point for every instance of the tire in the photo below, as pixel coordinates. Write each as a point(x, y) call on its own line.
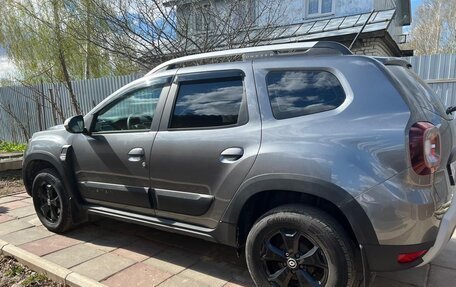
point(51, 201)
point(298, 245)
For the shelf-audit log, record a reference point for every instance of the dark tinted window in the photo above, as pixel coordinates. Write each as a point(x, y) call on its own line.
point(208, 103)
point(298, 93)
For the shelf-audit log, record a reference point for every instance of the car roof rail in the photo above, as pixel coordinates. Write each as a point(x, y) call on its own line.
point(310, 47)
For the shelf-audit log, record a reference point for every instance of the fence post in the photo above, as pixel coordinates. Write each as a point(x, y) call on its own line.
point(28, 117)
point(43, 105)
point(38, 108)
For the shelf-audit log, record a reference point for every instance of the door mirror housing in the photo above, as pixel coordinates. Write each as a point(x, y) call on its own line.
point(75, 125)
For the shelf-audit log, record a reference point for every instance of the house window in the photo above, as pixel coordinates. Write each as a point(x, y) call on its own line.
point(203, 18)
point(320, 7)
point(243, 13)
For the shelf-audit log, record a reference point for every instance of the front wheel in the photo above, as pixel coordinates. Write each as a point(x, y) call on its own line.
point(51, 201)
point(300, 246)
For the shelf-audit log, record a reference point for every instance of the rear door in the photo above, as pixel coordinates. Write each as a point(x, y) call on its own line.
point(208, 140)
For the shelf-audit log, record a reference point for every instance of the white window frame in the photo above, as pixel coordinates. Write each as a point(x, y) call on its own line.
point(250, 8)
point(199, 30)
point(319, 14)
point(252, 12)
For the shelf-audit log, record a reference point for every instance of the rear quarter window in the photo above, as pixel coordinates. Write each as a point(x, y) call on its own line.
point(299, 93)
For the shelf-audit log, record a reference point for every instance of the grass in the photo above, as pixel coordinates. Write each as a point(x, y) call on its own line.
point(15, 270)
point(12, 147)
point(34, 280)
point(13, 273)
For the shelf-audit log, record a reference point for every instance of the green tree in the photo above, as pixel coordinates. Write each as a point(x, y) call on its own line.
point(49, 40)
point(434, 28)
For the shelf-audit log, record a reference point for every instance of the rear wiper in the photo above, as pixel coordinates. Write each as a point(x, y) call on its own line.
point(450, 110)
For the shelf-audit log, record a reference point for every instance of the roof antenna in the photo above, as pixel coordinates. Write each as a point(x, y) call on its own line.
point(360, 31)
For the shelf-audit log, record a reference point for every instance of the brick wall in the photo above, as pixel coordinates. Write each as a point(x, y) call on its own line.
point(371, 47)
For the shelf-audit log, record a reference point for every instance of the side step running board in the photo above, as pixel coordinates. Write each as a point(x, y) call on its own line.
point(155, 222)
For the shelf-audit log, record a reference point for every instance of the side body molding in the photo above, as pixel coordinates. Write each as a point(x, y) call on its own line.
point(347, 204)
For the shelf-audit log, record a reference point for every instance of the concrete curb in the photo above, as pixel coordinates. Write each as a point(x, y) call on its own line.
point(51, 270)
point(11, 164)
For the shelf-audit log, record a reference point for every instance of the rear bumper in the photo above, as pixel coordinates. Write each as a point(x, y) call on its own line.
point(446, 230)
point(383, 258)
point(402, 214)
point(409, 219)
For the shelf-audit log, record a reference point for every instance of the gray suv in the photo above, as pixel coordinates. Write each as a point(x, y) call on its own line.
point(326, 167)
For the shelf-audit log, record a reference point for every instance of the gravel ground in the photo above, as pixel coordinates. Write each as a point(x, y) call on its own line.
point(11, 182)
point(14, 274)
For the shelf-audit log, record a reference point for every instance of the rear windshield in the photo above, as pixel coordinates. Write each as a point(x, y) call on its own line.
point(417, 91)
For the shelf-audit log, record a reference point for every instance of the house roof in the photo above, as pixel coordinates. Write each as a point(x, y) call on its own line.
point(334, 29)
point(378, 21)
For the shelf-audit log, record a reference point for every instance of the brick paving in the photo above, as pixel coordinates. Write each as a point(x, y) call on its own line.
point(49, 244)
point(121, 254)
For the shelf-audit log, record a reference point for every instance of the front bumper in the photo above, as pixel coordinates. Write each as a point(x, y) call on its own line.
point(446, 230)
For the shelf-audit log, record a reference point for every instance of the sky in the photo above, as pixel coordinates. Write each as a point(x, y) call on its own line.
point(415, 4)
point(5, 65)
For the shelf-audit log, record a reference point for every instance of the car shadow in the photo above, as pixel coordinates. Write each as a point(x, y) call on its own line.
point(160, 247)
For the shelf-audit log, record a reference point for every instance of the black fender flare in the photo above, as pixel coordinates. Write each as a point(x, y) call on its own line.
point(65, 170)
point(41, 156)
point(355, 214)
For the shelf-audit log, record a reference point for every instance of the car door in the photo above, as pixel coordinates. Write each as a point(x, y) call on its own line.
point(208, 140)
point(111, 162)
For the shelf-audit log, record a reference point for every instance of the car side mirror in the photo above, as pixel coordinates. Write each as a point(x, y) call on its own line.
point(75, 125)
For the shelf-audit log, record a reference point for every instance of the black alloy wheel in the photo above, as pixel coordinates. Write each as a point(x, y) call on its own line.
point(291, 259)
point(301, 246)
point(49, 202)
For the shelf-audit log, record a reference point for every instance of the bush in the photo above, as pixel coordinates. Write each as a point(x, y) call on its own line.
point(12, 147)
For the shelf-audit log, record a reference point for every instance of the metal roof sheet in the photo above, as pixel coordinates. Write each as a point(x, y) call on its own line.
point(380, 20)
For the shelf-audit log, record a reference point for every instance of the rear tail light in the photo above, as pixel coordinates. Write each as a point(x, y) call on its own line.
point(424, 143)
point(410, 257)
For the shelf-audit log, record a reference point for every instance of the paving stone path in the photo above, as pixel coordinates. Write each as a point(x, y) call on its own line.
point(121, 254)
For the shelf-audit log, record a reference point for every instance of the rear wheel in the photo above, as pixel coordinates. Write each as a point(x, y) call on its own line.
point(51, 201)
point(300, 246)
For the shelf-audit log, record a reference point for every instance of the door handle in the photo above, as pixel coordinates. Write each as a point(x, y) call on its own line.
point(231, 154)
point(136, 154)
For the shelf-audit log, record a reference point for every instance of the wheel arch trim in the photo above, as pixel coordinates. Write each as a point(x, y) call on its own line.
point(42, 156)
point(64, 169)
point(350, 208)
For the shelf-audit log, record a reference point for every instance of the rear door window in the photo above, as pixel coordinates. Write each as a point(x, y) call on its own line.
point(299, 93)
point(208, 103)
